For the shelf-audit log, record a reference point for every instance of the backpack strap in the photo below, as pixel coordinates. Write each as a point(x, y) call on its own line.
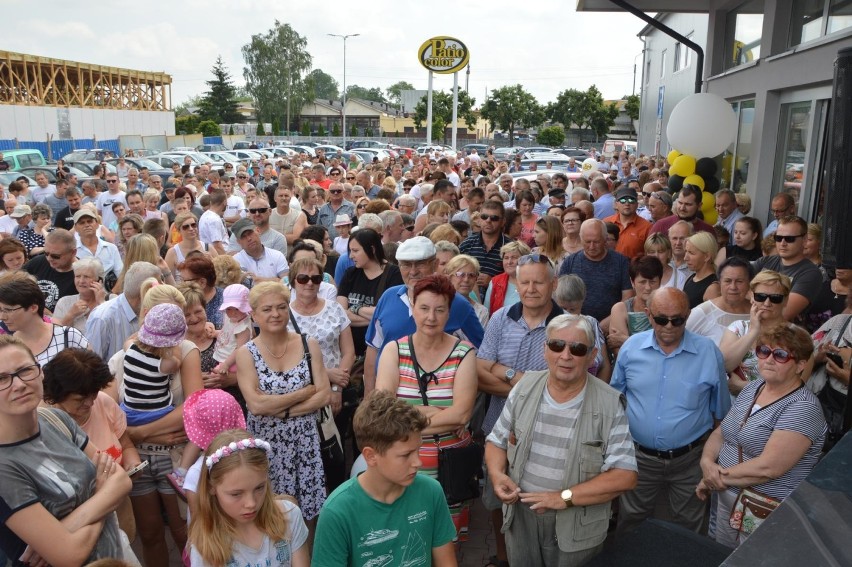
point(57, 423)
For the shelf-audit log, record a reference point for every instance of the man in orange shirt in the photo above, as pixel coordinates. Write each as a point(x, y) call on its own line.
point(634, 229)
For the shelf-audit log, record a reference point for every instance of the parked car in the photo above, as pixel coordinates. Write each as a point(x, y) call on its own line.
point(93, 154)
point(182, 149)
point(88, 166)
point(7, 177)
point(50, 172)
point(505, 154)
point(19, 159)
point(302, 149)
point(531, 175)
point(578, 154)
point(373, 152)
point(196, 157)
point(223, 156)
point(329, 149)
point(480, 149)
point(154, 168)
point(140, 152)
point(166, 161)
point(242, 145)
point(245, 156)
point(523, 152)
point(210, 148)
point(542, 160)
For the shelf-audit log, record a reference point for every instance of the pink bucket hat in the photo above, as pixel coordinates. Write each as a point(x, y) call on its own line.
point(236, 295)
point(164, 326)
point(207, 413)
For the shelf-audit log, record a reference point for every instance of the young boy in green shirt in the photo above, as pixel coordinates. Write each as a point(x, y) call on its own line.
point(389, 514)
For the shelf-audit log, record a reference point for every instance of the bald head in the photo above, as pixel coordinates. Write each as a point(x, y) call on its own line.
point(669, 301)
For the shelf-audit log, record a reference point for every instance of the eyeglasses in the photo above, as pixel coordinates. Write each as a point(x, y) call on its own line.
point(362, 206)
point(576, 349)
point(663, 321)
point(336, 191)
point(54, 256)
point(492, 218)
point(112, 180)
point(259, 211)
point(779, 211)
point(647, 195)
point(789, 238)
point(462, 275)
point(189, 226)
point(27, 373)
point(570, 221)
point(775, 298)
point(409, 228)
point(780, 355)
point(334, 173)
point(534, 259)
point(627, 200)
point(305, 278)
point(242, 176)
point(350, 177)
point(7, 310)
point(414, 264)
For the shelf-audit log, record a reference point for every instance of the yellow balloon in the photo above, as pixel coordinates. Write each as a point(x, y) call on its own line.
point(673, 155)
point(708, 207)
point(683, 165)
point(694, 179)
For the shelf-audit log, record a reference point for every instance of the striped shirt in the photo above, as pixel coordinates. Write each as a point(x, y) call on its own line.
point(553, 431)
point(145, 387)
point(509, 341)
point(798, 411)
point(489, 259)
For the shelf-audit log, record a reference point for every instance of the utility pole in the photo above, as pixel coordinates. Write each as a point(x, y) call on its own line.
point(344, 37)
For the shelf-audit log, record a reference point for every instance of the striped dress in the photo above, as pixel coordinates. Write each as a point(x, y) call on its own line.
point(440, 394)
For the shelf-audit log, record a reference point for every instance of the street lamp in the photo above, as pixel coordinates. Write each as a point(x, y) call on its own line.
point(345, 37)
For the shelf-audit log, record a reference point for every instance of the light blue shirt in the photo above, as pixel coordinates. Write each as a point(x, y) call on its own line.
point(770, 228)
point(604, 206)
point(343, 264)
point(671, 399)
point(109, 325)
point(106, 252)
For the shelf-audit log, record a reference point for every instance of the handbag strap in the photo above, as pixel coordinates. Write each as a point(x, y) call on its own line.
point(322, 414)
point(55, 422)
point(423, 384)
point(383, 282)
point(751, 407)
point(842, 330)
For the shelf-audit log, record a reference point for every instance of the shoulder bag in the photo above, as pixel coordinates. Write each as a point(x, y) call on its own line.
point(833, 402)
point(751, 507)
point(331, 447)
point(459, 468)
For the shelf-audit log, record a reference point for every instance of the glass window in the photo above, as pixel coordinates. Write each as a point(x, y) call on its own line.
point(839, 15)
point(648, 72)
point(806, 21)
point(663, 64)
point(681, 55)
point(793, 138)
point(744, 27)
point(734, 162)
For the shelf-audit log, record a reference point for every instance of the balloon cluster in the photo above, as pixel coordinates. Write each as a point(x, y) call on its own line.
point(702, 124)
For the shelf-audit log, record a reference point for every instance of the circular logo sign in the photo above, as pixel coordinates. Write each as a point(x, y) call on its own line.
point(443, 54)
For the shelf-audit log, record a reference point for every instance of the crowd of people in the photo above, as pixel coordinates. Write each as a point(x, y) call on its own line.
point(168, 345)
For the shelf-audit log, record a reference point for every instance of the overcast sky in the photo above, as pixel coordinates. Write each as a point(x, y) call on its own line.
point(544, 44)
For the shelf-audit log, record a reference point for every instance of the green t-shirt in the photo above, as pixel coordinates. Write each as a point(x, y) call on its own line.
point(355, 530)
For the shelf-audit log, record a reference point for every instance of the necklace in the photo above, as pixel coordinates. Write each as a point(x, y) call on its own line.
point(272, 354)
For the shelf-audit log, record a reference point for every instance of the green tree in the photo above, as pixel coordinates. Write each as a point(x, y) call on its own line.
point(375, 94)
point(220, 101)
point(322, 85)
point(260, 131)
point(276, 127)
point(335, 129)
point(274, 66)
point(587, 110)
point(552, 136)
point(353, 131)
point(320, 130)
point(632, 104)
point(395, 91)
point(231, 130)
point(511, 106)
point(306, 129)
point(442, 107)
point(439, 128)
point(187, 124)
point(368, 132)
point(192, 102)
point(209, 128)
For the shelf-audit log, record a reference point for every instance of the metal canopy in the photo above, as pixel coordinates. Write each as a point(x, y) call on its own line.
point(690, 6)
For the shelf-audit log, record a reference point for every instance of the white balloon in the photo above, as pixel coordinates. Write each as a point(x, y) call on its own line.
point(589, 165)
point(702, 125)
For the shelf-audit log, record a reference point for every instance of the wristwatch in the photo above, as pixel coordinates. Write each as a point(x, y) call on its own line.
point(567, 497)
point(335, 388)
point(510, 373)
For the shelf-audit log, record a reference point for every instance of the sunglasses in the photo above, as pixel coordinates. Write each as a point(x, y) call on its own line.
point(55, 256)
point(790, 238)
point(576, 349)
point(647, 195)
point(336, 191)
point(362, 206)
point(305, 278)
point(627, 200)
point(534, 259)
point(259, 211)
point(492, 218)
point(663, 321)
point(334, 173)
point(775, 298)
point(351, 178)
point(409, 228)
point(780, 355)
point(189, 226)
point(112, 180)
point(242, 176)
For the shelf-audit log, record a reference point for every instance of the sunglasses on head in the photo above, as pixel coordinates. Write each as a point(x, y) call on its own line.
point(534, 259)
point(779, 354)
point(259, 211)
point(775, 298)
point(663, 321)
point(789, 238)
point(305, 278)
point(576, 349)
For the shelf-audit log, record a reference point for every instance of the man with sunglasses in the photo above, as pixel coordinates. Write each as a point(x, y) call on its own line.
point(485, 245)
point(336, 205)
point(570, 417)
point(791, 261)
point(53, 269)
point(105, 200)
point(633, 229)
point(259, 213)
point(677, 393)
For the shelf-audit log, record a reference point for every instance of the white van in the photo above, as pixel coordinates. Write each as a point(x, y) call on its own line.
point(614, 147)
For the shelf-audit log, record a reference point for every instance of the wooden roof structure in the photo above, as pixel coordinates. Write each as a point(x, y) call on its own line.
point(31, 80)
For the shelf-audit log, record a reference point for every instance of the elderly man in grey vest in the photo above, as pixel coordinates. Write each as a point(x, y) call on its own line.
point(560, 453)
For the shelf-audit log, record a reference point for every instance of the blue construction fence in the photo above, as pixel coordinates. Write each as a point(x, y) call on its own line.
point(55, 149)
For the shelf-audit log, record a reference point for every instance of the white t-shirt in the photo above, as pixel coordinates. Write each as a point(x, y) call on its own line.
point(104, 206)
point(273, 264)
point(273, 554)
point(211, 229)
point(235, 206)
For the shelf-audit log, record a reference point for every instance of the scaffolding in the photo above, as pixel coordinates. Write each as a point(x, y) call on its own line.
point(31, 80)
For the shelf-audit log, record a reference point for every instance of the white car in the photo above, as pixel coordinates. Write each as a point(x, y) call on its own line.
point(197, 157)
point(222, 157)
point(374, 152)
point(182, 149)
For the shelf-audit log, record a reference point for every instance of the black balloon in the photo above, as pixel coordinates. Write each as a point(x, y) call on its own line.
point(706, 167)
point(711, 184)
point(675, 183)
